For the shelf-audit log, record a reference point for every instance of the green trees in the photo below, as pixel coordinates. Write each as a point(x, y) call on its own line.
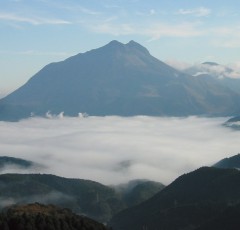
point(40, 217)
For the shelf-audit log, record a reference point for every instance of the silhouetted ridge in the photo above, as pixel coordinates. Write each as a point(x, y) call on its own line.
point(230, 162)
point(190, 201)
point(234, 119)
point(17, 162)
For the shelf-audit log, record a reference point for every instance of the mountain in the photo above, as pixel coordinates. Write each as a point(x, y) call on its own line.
point(234, 119)
point(233, 123)
point(6, 161)
point(230, 162)
point(224, 75)
point(42, 217)
point(211, 68)
point(191, 201)
point(136, 191)
point(86, 197)
point(117, 79)
point(227, 220)
point(90, 198)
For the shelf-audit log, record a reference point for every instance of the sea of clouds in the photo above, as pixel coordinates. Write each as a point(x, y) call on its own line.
point(114, 150)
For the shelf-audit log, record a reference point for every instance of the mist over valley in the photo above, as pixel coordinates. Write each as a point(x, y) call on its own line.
point(114, 150)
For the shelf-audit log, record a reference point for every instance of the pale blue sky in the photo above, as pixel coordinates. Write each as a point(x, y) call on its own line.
point(37, 32)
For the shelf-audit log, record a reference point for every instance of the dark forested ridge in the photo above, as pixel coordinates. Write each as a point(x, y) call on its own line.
point(41, 217)
point(189, 202)
point(229, 162)
point(86, 197)
point(226, 220)
point(82, 196)
point(199, 200)
point(136, 191)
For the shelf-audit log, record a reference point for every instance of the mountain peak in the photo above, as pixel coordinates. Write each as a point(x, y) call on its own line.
point(130, 46)
point(115, 43)
point(134, 45)
point(117, 79)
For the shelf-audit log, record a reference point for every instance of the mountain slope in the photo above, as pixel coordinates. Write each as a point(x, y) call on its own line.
point(6, 161)
point(136, 191)
point(39, 217)
point(227, 220)
point(233, 123)
point(82, 196)
point(187, 203)
point(224, 75)
point(230, 162)
point(117, 79)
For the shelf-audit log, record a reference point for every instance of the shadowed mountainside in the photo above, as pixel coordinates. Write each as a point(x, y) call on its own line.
point(229, 162)
point(41, 217)
point(118, 79)
point(188, 203)
point(136, 191)
point(86, 197)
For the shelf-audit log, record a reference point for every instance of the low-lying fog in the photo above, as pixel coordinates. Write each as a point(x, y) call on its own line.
point(114, 149)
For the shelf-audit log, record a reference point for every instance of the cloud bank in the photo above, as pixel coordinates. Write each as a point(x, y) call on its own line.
point(114, 150)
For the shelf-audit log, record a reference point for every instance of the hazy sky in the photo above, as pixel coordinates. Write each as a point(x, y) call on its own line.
point(37, 32)
point(115, 149)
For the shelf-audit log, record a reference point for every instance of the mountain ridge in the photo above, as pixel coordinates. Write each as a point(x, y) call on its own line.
point(229, 162)
point(85, 197)
point(117, 79)
point(189, 202)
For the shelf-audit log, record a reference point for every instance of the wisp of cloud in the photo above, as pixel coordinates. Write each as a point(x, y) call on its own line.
point(115, 149)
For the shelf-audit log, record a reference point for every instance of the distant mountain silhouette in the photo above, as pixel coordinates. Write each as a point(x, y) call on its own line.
point(45, 217)
point(189, 202)
point(118, 79)
point(233, 123)
point(136, 191)
point(6, 161)
point(230, 162)
point(224, 75)
point(234, 119)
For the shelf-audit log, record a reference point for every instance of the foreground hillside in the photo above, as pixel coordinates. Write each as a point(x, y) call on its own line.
point(40, 217)
point(190, 202)
point(118, 79)
point(82, 196)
